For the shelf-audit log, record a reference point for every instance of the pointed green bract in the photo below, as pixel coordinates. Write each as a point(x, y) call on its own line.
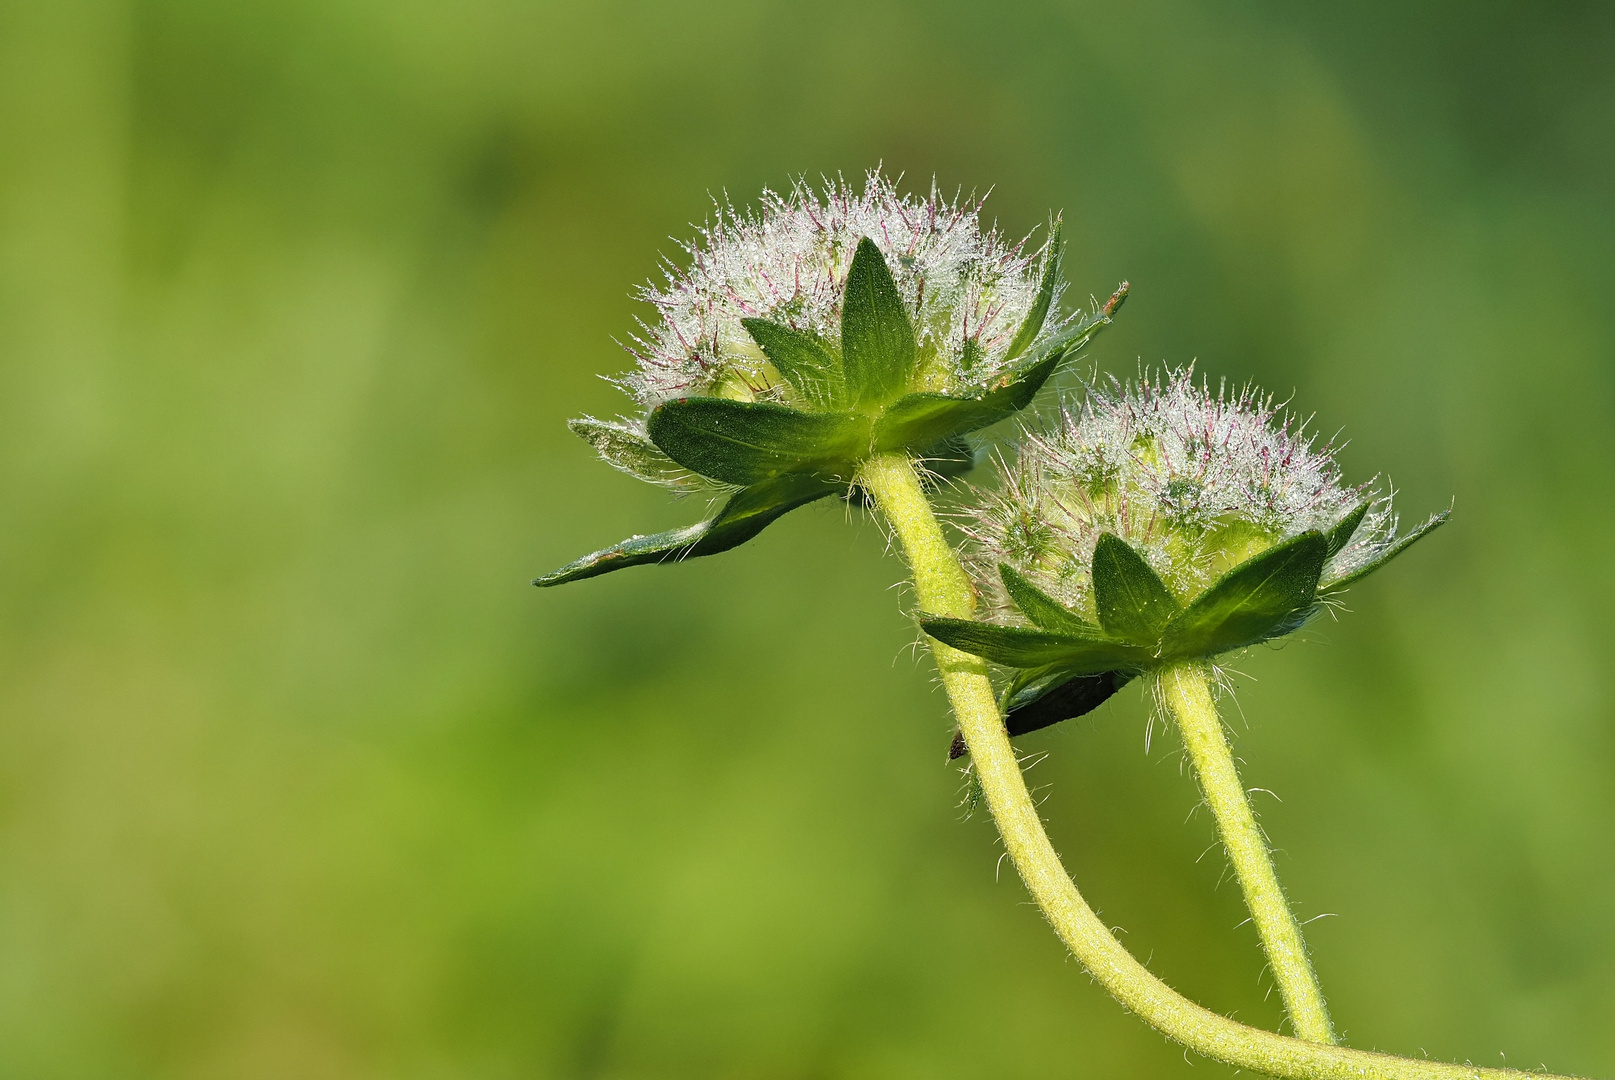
point(919, 419)
point(1032, 325)
point(631, 451)
point(877, 340)
point(1252, 601)
point(1341, 534)
point(1081, 331)
point(1016, 646)
point(746, 442)
point(1133, 602)
point(1044, 610)
point(1435, 522)
point(806, 362)
point(747, 513)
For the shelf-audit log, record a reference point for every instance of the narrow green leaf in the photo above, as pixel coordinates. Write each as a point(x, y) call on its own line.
point(806, 362)
point(1435, 522)
point(746, 514)
point(1133, 602)
point(745, 442)
point(877, 340)
point(1261, 597)
point(1015, 646)
point(629, 450)
point(1037, 605)
point(920, 419)
point(1039, 311)
point(1341, 534)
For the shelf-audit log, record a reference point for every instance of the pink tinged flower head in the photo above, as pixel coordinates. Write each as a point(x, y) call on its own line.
point(967, 289)
point(1195, 480)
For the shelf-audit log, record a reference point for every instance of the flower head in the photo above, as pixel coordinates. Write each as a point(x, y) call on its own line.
point(1195, 480)
point(822, 330)
point(967, 290)
point(1159, 522)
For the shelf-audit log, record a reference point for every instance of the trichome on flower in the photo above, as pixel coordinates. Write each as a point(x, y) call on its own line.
point(1159, 522)
point(824, 328)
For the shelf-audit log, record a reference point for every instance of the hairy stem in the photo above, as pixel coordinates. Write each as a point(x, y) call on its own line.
point(1185, 692)
point(943, 588)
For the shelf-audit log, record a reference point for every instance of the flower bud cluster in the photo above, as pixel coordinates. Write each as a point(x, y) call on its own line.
point(1196, 481)
point(967, 290)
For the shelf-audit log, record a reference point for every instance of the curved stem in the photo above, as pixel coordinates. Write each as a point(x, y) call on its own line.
point(1186, 693)
point(944, 588)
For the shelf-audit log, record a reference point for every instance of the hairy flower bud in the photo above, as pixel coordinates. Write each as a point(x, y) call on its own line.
point(1196, 481)
point(1157, 523)
point(967, 290)
point(818, 333)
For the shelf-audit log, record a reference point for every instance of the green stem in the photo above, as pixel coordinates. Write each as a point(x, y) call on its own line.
point(1186, 693)
point(943, 588)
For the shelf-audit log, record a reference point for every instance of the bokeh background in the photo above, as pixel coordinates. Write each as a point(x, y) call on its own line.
point(299, 778)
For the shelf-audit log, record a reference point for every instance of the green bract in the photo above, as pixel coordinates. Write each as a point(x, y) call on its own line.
point(830, 406)
point(1161, 523)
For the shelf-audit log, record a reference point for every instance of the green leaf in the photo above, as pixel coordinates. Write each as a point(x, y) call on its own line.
point(1032, 325)
point(745, 442)
point(1015, 646)
point(1261, 597)
point(1133, 602)
point(1037, 605)
point(877, 340)
point(625, 448)
point(746, 514)
point(1341, 534)
point(919, 419)
point(806, 361)
point(1435, 522)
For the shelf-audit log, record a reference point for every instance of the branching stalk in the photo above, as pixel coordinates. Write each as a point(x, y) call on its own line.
point(1185, 692)
point(943, 588)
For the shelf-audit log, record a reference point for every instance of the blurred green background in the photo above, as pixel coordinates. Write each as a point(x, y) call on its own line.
point(299, 778)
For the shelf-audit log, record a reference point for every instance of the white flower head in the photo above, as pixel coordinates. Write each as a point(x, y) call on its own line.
point(966, 288)
point(1195, 480)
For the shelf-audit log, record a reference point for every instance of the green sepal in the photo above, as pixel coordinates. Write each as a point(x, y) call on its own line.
point(748, 512)
point(923, 418)
point(1340, 535)
point(1265, 595)
point(746, 442)
point(878, 346)
point(626, 448)
point(1080, 332)
point(1017, 646)
point(1032, 325)
point(1044, 610)
point(805, 361)
point(1435, 522)
point(1132, 601)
